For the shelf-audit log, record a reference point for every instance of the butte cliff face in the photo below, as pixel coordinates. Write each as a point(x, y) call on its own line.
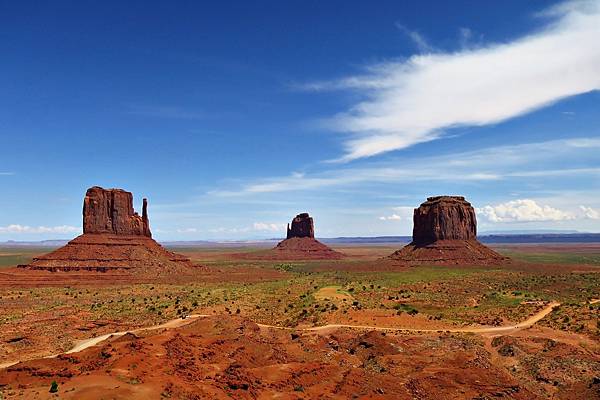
point(445, 232)
point(302, 226)
point(300, 242)
point(114, 238)
point(111, 211)
point(444, 218)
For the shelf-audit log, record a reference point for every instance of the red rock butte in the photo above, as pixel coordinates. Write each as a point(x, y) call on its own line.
point(445, 232)
point(114, 237)
point(111, 211)
point(302, 226)
point(300, 242)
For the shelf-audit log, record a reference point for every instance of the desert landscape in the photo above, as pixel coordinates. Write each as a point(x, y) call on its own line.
point(106, 316)
point(286, 200)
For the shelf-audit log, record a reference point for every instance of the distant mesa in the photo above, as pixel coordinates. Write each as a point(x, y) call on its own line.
point(300, 242)
point(115, 237)
point(445, 232)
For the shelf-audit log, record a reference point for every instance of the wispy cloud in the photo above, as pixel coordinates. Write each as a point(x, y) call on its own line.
point(417, 38)
point(255, 227)
point(503, 162)
point(393, 217)
point(589, 212)
point(416, 100)
point(188, 230)
point(270, 227)
point(18, 229)
point(6, 173)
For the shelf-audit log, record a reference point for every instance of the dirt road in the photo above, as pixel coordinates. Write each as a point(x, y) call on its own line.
point(84, 344)
point(87, 343)
point(494, 329)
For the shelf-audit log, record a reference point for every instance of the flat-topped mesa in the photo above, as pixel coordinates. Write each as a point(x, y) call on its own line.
point(111, 211)
point(444, 218)
point(114, 238)
point(302, 226)
point(445, 232)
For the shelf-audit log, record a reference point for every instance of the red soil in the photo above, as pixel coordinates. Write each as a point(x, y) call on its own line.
point(21, 278)
point(295, 248)
point(108, 252)
point(449, 252)
point(226, 357)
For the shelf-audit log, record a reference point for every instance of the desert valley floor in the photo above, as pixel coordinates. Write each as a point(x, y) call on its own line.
point(258, 328)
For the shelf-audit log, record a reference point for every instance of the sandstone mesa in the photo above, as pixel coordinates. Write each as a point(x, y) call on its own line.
point(115, 238)
point(445, 232)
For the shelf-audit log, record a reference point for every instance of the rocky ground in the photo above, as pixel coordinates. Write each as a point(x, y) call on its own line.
point(233, 353)
point(232, 357)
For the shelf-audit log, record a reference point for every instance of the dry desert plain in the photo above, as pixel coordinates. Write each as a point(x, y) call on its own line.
point(257, 328)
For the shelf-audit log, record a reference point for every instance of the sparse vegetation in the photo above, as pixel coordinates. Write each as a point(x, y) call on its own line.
point(306, 294)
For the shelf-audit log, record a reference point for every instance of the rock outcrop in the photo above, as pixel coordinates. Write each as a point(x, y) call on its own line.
point(302, 226)
point(300, 244)
point(111, 211)
point(444, 218)
point(445, 232)
point(114, 238)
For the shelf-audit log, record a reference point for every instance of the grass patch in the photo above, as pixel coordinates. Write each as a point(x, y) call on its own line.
point(407, 308)
point(554, 258)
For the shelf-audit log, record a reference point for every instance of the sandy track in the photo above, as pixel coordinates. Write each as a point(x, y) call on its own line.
point(87, 343)
point(495, 329)
point(176, 323)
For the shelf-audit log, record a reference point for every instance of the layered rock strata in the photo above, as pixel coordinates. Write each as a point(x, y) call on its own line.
point(300, 242)
point(115, 238)
point(445, 232)
point(302, 226)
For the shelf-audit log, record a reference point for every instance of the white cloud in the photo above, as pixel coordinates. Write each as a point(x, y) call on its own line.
point(256, 227)
point(187, 230)
point(523, 210)
point(262, 226)
point(415, 100)
point(589, 212)
point(529, 161)
point(393, 217)
point(16, 228)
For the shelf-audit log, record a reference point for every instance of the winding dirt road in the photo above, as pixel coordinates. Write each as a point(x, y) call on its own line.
point(87, 343)
point(176, 323)
point(494, 329)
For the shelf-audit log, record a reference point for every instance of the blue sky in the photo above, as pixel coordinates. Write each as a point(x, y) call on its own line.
point(233, 117)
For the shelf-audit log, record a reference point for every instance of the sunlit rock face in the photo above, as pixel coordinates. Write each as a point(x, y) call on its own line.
point(111, 211)
point(445, 232)
point(444, 218)
point(114, 238)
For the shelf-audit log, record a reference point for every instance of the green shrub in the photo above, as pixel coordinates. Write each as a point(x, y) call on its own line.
point(407, 308)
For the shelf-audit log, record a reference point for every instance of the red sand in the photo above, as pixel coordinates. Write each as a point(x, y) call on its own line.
point(449, 252)
point(304, 248)
point(226, 357)
point(108, 252)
